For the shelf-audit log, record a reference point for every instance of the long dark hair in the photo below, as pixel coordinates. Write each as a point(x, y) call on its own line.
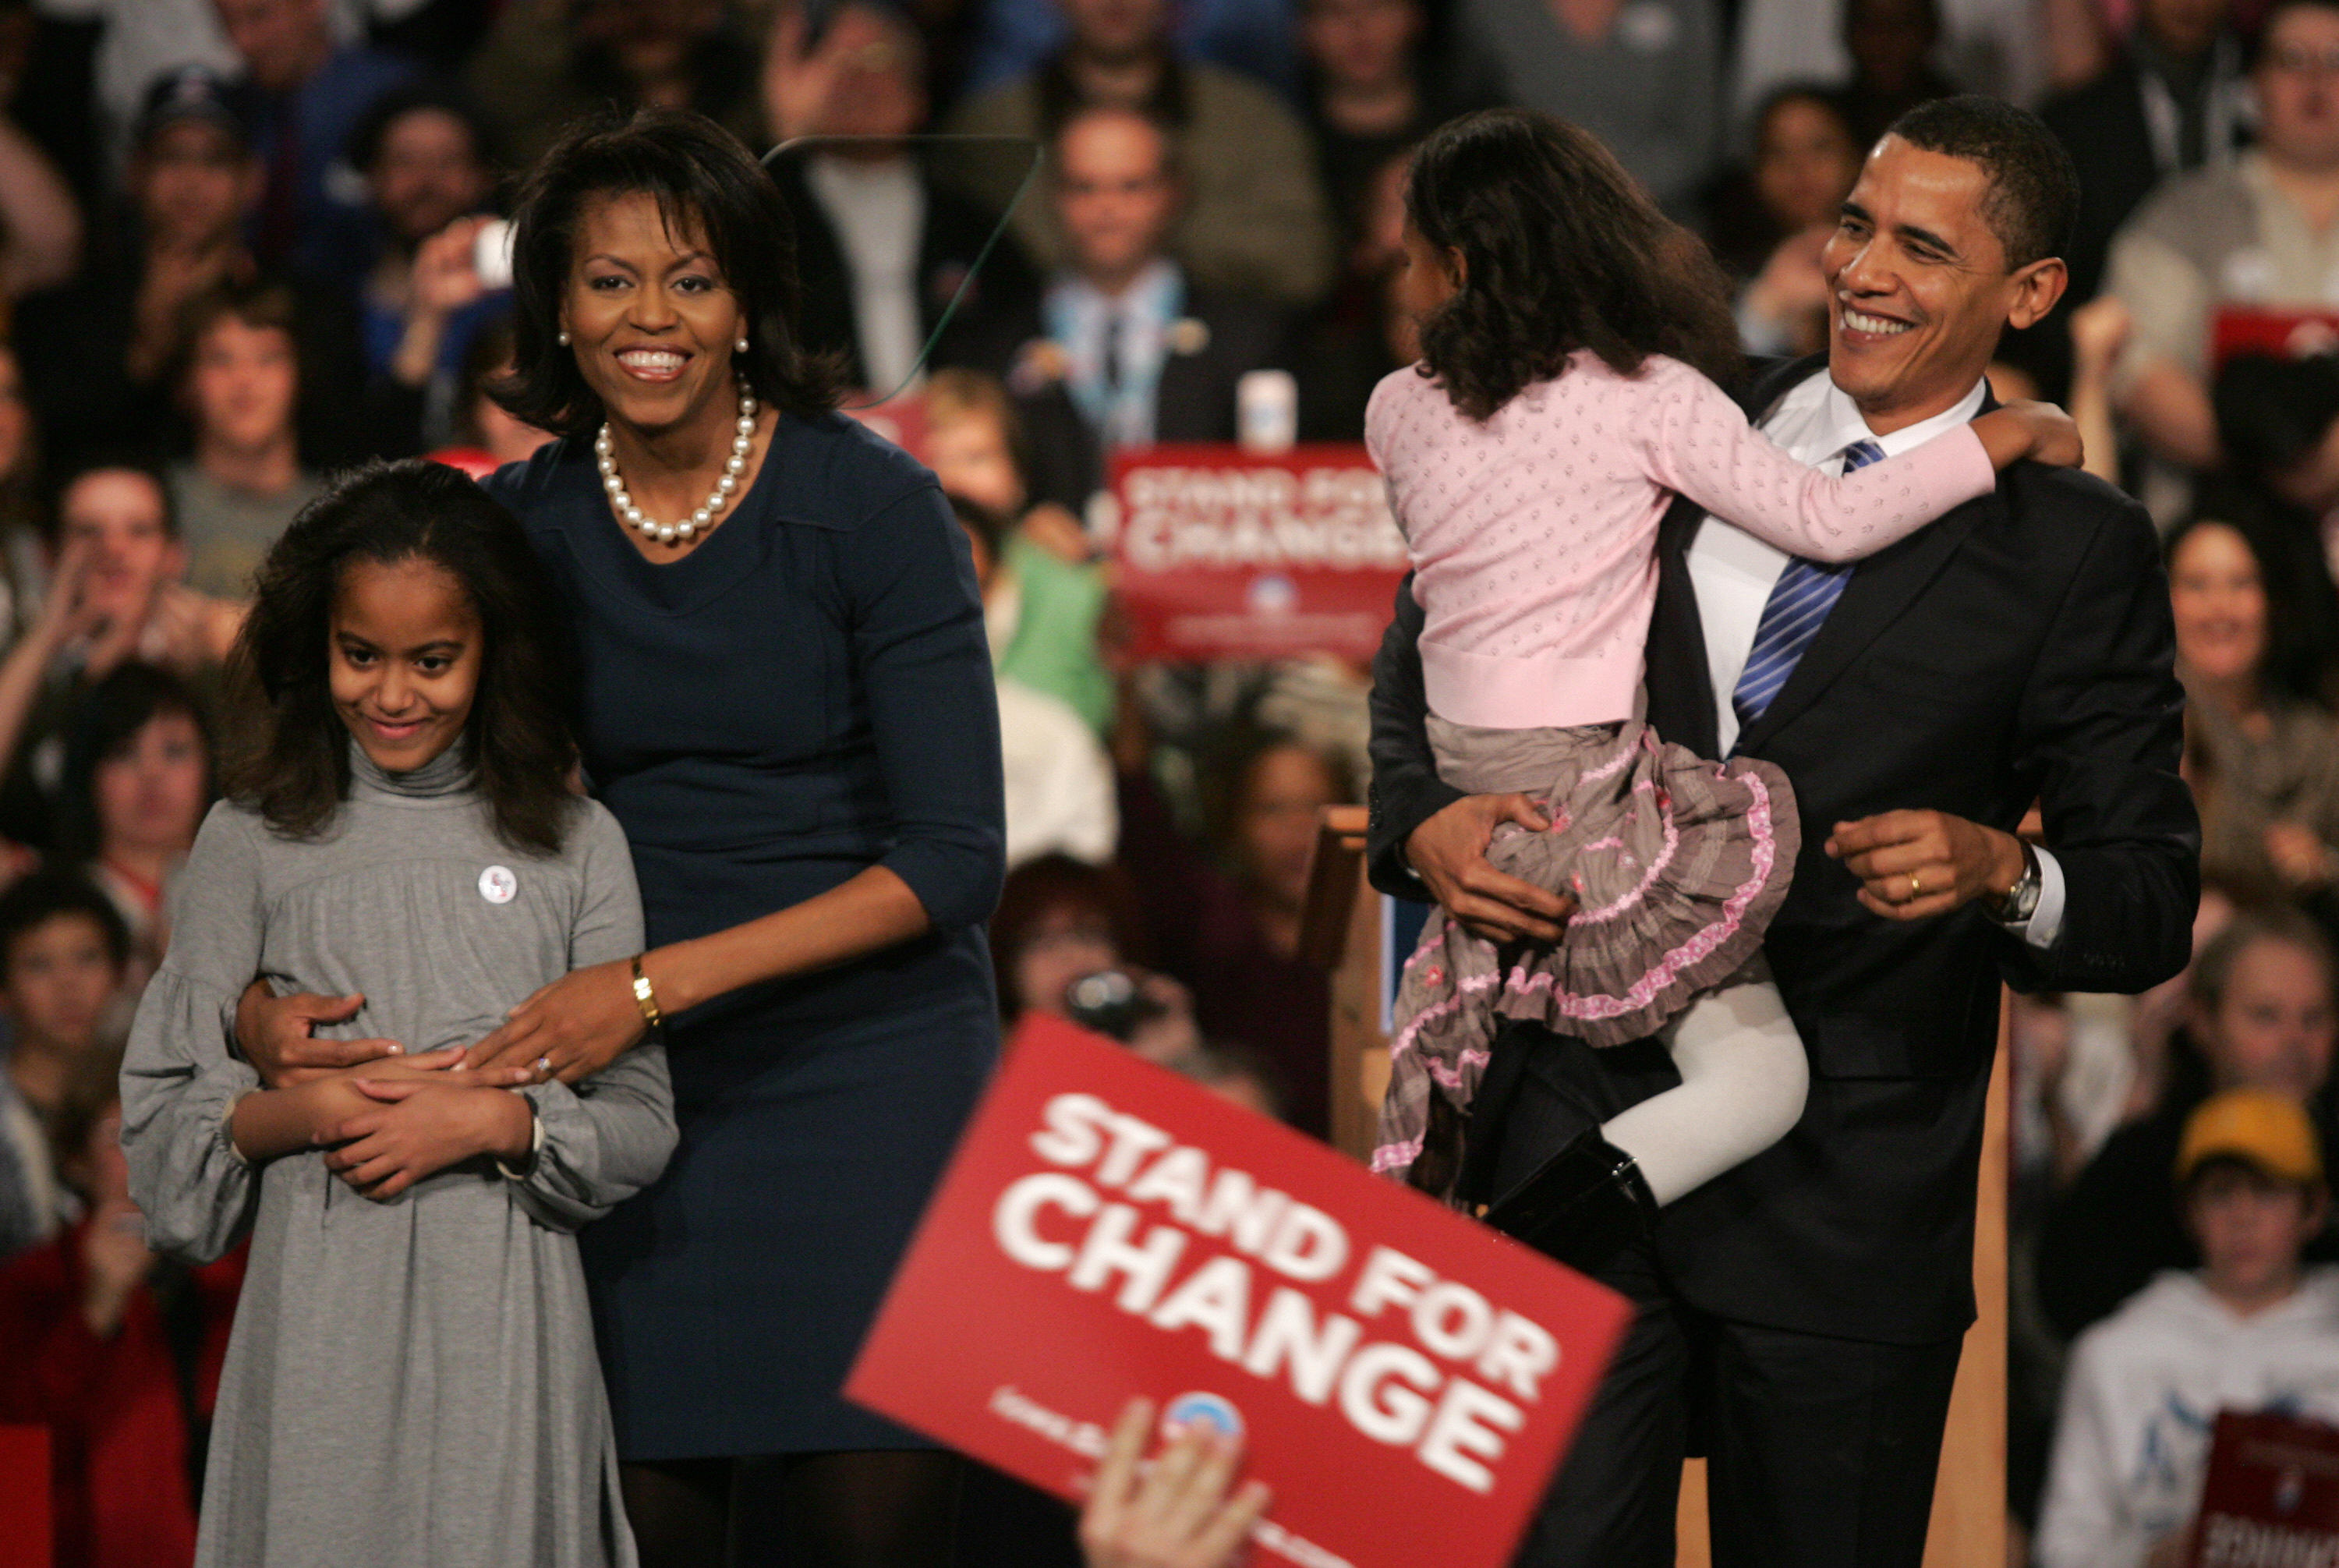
point(703, 180)
point(1561, 250)
point(518, 742)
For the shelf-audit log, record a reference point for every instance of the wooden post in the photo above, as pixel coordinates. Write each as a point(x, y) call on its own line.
point(1968, 1526)
point(1340, 931)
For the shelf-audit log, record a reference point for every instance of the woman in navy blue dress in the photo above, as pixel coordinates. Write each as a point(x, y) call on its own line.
point(788, 706)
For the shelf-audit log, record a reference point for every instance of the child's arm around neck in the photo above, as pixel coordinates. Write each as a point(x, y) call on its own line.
point(1699, 444)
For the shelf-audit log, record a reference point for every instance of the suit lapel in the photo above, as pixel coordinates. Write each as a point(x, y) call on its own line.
point(1881, 587)
point(1680, 682)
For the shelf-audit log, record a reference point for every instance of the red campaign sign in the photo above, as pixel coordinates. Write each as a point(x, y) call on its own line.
point(1227, 555)
point(2271, 1497)
point(2296, 334)
point(1404, 1380)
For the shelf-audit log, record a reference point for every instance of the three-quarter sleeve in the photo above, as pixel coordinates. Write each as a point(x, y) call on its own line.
point(920, 657)
point(1700, 445)
point(610, 1137)
point(179, 1082)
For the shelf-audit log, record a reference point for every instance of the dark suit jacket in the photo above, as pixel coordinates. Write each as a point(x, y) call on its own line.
point(952, 238)
point(2102, 126)
point(1194, 401)
point(2017, 649)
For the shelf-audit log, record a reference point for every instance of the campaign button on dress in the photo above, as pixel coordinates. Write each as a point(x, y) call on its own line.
point(498, 885)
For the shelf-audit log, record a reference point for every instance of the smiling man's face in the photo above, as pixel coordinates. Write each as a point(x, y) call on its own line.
point(1918, 286)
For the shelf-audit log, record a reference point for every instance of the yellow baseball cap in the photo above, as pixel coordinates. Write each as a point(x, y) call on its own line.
point(2253, 1125)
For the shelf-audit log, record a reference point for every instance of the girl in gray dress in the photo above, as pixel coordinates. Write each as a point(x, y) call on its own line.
point(412, 1378)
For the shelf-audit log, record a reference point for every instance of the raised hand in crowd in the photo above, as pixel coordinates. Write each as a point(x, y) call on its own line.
point(1785, 308)
point(2100, 331)
point(445, 279)
point(801, 77)
point(1448, 854)
point(1176, 1513)
point(115, 1261)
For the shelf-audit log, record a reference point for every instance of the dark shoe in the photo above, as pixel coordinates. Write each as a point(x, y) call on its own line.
point(1584, 1205)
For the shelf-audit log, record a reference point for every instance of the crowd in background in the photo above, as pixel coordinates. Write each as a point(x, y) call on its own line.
point(244, 243)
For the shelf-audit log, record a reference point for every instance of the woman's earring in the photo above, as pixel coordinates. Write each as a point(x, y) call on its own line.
point(741, 346)
point(564, 340)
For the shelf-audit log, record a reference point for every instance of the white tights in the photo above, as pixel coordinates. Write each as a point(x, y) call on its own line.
point(1744, 1079)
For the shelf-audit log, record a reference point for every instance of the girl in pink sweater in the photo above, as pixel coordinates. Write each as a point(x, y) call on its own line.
point(1558, 408)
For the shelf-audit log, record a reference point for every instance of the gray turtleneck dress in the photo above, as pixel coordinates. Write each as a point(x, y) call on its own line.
point(408, 1383)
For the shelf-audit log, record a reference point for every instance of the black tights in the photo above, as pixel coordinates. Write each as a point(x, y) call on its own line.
point(880, 1508)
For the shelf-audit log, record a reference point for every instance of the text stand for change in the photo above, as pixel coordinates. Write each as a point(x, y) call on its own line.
point(1349, 929)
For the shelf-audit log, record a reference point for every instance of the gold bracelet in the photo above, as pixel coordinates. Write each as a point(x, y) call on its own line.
point(644, 998)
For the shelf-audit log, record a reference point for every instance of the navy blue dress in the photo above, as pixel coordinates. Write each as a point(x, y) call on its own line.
point(806, 695)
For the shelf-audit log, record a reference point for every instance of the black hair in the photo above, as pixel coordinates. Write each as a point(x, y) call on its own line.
point(364, 145)
point(704, 181)
point(483, 362)
point(45, 895)
point(103, 721)
point(2301, 660)
point(1228, 772)
point(1827, 98)
point(1050, 881)
point(81, 464)
point(1561, 250)
point(520, 740)
point(2033, 204)
point(92, 1086)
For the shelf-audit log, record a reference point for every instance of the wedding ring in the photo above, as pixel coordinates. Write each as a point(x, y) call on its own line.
point(1916, 889)
point(544, 1067)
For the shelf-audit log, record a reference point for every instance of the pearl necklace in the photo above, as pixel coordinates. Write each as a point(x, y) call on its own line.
point(744, 442)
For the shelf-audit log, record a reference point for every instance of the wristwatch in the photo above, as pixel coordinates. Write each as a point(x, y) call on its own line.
point(2021, 901)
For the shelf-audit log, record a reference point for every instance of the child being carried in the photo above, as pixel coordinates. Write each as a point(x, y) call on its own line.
point(1559, 407)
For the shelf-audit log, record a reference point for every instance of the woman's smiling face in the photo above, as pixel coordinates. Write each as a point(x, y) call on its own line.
point(650, 315)
point(2219, 603)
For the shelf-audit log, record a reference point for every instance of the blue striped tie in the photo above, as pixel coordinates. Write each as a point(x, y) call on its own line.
point(1799, 605)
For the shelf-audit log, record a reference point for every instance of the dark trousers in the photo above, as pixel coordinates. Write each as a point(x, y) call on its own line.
point(1820, 1453)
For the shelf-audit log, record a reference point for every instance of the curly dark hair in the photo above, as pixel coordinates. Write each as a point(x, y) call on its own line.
point(1561, 250)
point(520, 741)
point(704, 181)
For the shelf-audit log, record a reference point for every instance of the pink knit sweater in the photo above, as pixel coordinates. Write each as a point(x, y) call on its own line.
point(1534, 534)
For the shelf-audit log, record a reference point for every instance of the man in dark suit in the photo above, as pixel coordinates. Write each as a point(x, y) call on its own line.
point(1124, 349)
point(2173, 99)
point(883, 246)
point(1807, 1308)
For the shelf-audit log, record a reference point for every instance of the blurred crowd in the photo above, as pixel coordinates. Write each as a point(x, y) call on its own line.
point(246, 242)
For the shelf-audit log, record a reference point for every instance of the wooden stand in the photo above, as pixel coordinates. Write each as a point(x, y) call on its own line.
point(1343, 931)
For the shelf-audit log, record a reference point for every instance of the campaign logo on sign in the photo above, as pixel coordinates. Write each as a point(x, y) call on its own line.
point(1212, 1410)
point(498, 885)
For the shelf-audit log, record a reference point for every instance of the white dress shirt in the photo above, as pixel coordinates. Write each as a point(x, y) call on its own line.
point(1733, 572)
point(879, 213)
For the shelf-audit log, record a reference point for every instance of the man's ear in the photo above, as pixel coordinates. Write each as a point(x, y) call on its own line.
point(1457, 269)
point(2036, 289)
